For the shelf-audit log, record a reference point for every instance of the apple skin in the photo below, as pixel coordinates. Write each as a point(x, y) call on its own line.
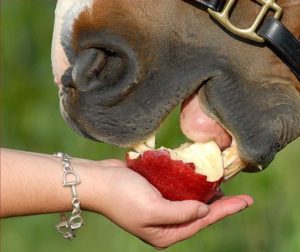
point(174, 179)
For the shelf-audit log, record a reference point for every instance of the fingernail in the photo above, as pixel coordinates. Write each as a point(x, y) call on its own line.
point(203, 210)
point(243, 207)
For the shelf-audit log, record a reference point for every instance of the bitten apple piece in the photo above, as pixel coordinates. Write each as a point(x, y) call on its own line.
point(192, 171)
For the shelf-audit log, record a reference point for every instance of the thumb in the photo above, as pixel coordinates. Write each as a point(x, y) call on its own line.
point(178, 212)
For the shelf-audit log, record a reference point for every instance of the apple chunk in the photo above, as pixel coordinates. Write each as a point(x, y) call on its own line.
point(192, 171)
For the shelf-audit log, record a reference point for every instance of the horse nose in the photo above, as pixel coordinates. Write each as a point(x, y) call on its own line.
point(110, 67)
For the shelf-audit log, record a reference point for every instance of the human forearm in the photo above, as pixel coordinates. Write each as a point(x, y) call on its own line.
point(31, 183)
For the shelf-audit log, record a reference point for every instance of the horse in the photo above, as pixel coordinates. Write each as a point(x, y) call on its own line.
point(123, 65)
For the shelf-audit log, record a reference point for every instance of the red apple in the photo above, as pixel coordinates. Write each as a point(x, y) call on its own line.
point(190, 172)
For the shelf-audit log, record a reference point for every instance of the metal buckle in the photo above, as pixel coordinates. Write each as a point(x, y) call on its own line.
point(249, 33)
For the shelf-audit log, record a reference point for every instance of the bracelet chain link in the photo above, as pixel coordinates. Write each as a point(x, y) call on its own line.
point(68, 227)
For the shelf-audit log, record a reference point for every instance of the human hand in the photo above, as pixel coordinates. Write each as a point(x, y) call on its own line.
point(109, 188)
point(134, 204)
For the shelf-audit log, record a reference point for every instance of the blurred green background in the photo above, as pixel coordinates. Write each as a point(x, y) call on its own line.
point(31, 121)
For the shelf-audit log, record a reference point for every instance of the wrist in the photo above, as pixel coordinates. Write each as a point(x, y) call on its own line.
point(95, 178)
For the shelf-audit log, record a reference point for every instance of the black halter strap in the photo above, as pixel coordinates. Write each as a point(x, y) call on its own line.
point(275, 35)
point(215, 5)
point(282, 42)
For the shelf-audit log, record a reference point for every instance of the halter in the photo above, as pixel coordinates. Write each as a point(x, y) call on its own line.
point(268, 30)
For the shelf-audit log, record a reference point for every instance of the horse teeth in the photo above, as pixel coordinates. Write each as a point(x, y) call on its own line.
point(232, 162)
point(148, 144)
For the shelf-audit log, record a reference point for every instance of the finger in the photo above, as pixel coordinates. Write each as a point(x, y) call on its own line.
point(177, 212)
point(225, 207)
point(218, 211)
point(248, 199)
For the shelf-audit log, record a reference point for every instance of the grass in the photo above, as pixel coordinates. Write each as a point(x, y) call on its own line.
point(31, 121)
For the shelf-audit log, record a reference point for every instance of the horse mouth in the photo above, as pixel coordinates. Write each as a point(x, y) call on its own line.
point(202, 130)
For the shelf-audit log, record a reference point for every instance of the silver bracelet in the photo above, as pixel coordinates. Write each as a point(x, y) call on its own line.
point(68, 227)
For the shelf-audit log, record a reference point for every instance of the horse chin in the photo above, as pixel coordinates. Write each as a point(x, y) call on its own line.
point(257, 114)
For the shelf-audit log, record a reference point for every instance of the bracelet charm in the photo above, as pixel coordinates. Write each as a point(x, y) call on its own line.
point(68, 227)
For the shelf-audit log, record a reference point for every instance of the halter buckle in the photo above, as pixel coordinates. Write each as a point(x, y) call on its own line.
point(249, 33)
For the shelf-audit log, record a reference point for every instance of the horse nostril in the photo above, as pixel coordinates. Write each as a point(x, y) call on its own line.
point(89, 65)
point(66, 79)
point(101, 69)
